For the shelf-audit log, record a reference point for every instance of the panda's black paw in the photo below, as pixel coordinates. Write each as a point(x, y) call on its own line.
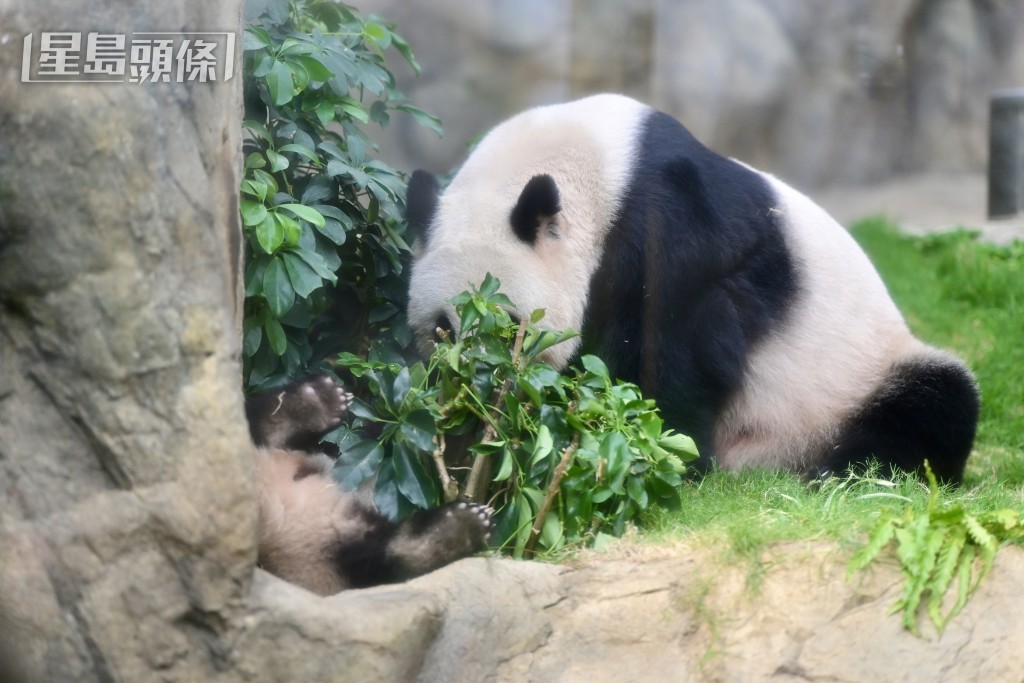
point(316, 404)
point(430, 539)
point(467, 525)
point(297, 415)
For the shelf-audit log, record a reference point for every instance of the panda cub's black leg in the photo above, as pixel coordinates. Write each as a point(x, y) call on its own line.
point(431, 539)
point(427, 540)
point(297, 415)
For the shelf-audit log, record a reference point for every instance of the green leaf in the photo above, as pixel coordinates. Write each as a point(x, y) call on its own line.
point(253, 213)
point(255, 189)
point(316, 262)
point(306, 152)
point(252, 329)
point(265, 178)
point(277, 289)
point(423, 118)
point(505, 469)
point(277, 162)
point(270, 234)
point(362, 410)
point(353, 109)
point(255, 160)
point(412, 478)
point(257, 37)
point(404, 49)
point(635, 489)
point(551, 531)
point(378, 34)
point(280, 84)
point(317, 70)
point(401, 386)
point(595, 366)
point(385, 490)
point(304, 279)
point(257, 129)
point(289, 227)
point(275, 335)
point(304, 212)
point(678, 443)
point(325, 112)
point(357, 464)
point(543, 446)
point(490, 286)
point(419, 428)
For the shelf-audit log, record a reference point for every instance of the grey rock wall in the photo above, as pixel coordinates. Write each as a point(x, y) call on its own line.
point(127, 526)
point(817, 92)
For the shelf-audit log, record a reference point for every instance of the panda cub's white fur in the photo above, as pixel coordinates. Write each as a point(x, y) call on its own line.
point(753, 318)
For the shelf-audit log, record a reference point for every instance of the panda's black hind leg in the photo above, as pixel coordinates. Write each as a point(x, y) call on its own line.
point(430, 539)
point(386, 552)
point(297, 415)
point(926, 409)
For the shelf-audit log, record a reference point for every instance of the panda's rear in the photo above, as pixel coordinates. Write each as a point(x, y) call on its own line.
point(750, 315)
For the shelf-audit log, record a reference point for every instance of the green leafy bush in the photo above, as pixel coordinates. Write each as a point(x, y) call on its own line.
point(561, 457)
point(325, 240)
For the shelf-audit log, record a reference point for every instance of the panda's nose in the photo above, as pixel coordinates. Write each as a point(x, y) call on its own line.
point(443, 328)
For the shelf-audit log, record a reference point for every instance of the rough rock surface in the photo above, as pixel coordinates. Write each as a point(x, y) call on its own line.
point(817, 92)
point(127, 531)
point(679, 615)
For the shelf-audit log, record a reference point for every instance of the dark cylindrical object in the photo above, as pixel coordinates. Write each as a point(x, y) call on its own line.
point(1006, 154)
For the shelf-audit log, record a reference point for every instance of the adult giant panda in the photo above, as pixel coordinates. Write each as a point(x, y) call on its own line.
point(752, 317)
point(318, 536)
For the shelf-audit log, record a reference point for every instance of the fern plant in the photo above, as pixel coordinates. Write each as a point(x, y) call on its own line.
point(943, 547)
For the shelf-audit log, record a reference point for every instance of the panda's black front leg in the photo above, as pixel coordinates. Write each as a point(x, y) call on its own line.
point(297, 415)
point(427, 540)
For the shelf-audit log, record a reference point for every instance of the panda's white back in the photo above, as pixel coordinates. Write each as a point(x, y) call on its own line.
point(833, 351)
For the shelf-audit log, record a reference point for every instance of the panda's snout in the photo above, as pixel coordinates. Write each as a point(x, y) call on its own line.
point(443, 327)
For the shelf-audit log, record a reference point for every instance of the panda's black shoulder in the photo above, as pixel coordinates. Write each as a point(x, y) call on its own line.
point(711, 218)
point(696, 253)
point(712, 190)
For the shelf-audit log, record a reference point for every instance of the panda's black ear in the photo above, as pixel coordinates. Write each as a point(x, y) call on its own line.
point(538, 201)
point(421, 202)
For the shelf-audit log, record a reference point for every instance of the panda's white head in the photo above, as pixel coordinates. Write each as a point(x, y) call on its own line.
point(531, 205)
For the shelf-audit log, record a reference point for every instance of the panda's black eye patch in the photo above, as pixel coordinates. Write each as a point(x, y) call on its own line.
point(538, 202)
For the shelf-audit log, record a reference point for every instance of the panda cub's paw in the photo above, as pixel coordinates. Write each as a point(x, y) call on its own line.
point(297, 415)
point(316, 404)
point(430, 539)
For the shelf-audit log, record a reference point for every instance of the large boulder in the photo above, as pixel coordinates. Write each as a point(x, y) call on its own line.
point(128, 521)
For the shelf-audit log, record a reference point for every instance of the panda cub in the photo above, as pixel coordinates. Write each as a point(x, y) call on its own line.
point(314, 534)
point(752, 317)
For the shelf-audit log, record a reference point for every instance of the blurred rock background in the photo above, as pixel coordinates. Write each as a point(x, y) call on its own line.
point(818, 92)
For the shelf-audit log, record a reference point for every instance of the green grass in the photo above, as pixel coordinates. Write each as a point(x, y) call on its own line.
point(955, 293)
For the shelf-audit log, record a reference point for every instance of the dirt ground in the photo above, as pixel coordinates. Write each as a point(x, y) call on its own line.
point(923, 204)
